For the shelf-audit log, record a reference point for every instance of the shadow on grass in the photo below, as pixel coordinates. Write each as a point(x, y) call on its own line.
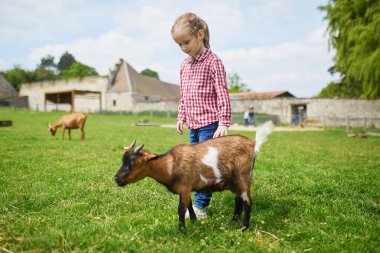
point(268, 212)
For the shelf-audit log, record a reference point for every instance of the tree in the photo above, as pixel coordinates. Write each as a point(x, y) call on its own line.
point(65, 61)
point(235, 85)
point(354, 32)
point(43, 74)
point(44, 71)
point(150, 73)
point(341, 90)
point(80, 70)
point(48, 63)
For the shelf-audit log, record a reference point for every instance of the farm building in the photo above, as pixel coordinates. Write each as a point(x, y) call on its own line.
point(9, 95)
point(126, 90)
point(288, 109)
point(262, 95)
point(6, 89)
point(123, 90)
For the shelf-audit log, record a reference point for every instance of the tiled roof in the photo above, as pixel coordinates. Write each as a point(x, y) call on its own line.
point(261, 95)
point(127, 79)
point(6, 89)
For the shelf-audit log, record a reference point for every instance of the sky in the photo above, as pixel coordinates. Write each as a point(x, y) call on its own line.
point(272, 45)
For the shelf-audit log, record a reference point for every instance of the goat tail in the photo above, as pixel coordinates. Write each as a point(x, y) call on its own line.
point(261, 135)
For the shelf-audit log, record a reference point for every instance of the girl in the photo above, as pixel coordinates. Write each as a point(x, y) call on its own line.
point(205, 103)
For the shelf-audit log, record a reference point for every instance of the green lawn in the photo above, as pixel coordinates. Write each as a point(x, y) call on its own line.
point(313, 191)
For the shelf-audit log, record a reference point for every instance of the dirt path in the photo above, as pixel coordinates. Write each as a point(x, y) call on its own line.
point(276, 129)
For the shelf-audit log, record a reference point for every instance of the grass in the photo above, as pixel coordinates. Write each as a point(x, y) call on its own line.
point(313, 191)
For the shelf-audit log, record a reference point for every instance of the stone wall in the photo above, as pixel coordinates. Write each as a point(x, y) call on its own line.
point(119, 102)
point(328, 112)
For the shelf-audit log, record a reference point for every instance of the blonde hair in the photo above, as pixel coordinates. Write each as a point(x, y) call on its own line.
point(194, 23)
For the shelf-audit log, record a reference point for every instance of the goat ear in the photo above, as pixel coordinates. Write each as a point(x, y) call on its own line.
point(138, 149)
point(149, 156)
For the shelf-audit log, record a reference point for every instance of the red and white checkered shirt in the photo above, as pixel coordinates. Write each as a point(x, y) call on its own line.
point(204, 91)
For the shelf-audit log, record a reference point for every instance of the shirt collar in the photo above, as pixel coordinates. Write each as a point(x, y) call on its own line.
point(201, 56)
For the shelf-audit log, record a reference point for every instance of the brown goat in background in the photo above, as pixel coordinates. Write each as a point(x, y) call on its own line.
point(70, 121)
point(224, 163)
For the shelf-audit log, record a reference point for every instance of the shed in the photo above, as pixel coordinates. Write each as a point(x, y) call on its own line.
point(68, 97)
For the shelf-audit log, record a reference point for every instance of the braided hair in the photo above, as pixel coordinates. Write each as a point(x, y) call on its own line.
point(194, 23)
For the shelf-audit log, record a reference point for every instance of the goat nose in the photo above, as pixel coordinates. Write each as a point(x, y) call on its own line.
point(117, 179)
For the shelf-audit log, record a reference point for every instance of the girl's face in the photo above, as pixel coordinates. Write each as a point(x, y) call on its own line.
point(189, 44)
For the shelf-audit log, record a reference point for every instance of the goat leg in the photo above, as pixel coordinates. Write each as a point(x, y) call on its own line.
point(247, 215)
point(193, 217)
point(181, 215)
point(82, 130)
point(238, 209)
point(63, 133)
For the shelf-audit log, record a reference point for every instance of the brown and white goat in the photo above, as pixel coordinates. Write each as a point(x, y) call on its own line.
point(224, 163)
point(69, 121)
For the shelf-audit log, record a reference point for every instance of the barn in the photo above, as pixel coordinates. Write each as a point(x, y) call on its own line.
point(123, 90)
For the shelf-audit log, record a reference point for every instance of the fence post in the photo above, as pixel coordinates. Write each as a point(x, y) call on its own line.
point(324, 121)
point(335, 121)
point(365, 124)
point(347, 124)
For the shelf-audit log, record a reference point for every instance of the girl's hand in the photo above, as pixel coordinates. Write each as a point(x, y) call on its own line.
point(221, 131)
point(180, 126)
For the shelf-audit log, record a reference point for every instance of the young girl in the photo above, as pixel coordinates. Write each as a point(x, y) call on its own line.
point(205, 103)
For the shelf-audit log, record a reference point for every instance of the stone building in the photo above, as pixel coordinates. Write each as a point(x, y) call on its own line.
point(6, 89)
point(9, 95)
point(124, 90)
point(130, 91)
point(323, 111)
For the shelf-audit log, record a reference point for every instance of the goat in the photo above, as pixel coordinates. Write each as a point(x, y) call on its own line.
point(224, 163)
point(69, 121)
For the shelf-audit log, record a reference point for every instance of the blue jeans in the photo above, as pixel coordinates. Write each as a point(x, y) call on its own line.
point(198, 135)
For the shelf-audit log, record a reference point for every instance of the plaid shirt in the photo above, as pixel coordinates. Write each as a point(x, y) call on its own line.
point(204, 92)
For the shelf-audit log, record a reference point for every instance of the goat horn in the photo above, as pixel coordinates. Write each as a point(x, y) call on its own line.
point(138, 149)
point(130, 146)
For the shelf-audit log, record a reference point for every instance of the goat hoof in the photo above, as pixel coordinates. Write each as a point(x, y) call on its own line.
point(235, 219)
point(182, 230)
point(244, 229)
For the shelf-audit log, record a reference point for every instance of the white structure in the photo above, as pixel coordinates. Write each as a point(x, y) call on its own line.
point(126, 90)
point(120, 92)
point(327, 111)
point(39, 94)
